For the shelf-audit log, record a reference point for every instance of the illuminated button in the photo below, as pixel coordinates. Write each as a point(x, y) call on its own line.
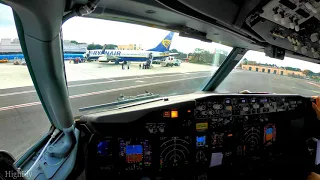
point(174, 114)
point(166, 114)
point(201, 126)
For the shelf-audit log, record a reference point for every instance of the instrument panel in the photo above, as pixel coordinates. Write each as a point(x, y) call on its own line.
point(196, 139)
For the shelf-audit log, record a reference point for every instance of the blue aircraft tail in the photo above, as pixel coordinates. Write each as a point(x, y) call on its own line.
point(164, 45)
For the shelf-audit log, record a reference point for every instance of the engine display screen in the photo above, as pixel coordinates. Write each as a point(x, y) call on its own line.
point(269, 134)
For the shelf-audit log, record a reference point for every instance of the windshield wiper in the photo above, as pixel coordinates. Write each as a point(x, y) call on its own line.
point(124, 100)
point(226, 67)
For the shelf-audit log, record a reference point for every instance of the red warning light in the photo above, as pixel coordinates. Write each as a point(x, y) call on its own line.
point(166, 114)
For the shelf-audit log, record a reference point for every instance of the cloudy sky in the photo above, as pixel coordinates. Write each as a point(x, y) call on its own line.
point(110, 32)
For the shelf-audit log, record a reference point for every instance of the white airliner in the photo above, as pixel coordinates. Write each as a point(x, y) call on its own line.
point(159, 52)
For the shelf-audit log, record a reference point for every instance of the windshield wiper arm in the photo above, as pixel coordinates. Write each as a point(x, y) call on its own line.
point(226, 67)
point(123, 100)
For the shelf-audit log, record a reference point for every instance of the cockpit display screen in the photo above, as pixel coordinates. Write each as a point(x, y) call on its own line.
point(269, 134)
point(133, 149)
point(133, 153)
point(103, 148)
point(201, 141)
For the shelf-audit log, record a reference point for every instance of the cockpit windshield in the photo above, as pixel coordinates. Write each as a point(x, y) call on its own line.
point(258, 73)
point(123, 63)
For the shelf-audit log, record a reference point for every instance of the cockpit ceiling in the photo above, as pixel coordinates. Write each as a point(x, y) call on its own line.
point(154, 14)
point(248, 24)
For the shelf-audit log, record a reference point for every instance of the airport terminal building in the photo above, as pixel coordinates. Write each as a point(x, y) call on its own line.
point(12, 46)
point(272, 70)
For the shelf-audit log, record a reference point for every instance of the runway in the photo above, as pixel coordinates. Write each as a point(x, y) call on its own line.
point(23, 120)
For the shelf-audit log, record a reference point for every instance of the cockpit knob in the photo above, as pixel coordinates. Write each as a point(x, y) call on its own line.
point(304, 49)
point(245, 108)
point(284, 21)
point(297, 27)
point(277, 17)
point(291, 24)
point(314, 37)
point(255, 106)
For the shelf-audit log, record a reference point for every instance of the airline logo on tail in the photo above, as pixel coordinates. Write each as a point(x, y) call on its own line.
point(164, 45)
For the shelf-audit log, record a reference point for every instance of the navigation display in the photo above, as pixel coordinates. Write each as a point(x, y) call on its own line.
point(103, 148)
